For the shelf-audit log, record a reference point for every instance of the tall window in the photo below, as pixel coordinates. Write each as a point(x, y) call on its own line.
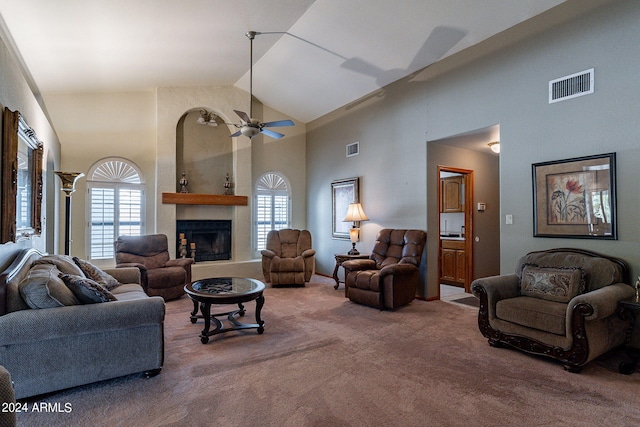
point(272, 206)
point(116, 201)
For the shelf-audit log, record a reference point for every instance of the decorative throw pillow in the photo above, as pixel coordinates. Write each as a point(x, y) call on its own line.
point(95, 274)
point(87, 290)
point(42, 288)
point(552, 283)
point(64, 263)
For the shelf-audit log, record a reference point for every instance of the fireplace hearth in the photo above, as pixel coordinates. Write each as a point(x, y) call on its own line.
point(211, 238)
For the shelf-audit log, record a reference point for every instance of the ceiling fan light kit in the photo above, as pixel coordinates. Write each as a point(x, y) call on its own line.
point(249, 126)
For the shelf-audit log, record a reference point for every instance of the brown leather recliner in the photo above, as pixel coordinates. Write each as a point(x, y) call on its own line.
point(161, 276)
point(389, 278)
point(289, 258)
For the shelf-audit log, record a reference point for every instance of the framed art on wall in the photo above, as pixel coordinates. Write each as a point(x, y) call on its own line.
point(343, 192)
point(575, 198)
point(21, 199)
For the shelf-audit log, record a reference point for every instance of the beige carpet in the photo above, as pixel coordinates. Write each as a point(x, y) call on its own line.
point(324, 361)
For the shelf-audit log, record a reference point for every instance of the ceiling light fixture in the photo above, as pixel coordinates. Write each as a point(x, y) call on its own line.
point(495, 146)
point(207, 118)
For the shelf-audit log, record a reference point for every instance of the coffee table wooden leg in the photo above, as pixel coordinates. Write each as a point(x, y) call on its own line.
point(206, 313)
point(194, 312)
point(259, 321)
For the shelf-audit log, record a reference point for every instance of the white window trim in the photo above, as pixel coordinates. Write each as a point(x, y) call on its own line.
point(259, 190)
point(117, 181)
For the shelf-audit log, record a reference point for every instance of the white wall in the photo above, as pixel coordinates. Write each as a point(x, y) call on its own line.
point(93, 126)
point(143, 127)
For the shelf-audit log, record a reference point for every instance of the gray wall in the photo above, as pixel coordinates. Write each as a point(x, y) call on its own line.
point(502, 81)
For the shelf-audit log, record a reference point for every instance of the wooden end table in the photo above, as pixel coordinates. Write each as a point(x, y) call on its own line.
point(340, 258)
point(628, 311)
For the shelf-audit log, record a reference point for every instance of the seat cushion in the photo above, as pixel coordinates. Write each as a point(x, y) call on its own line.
point(536, 313)
point(287, 271)
point(368, 280)
point(166, 277)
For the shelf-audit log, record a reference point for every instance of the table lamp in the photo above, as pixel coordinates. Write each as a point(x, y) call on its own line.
point(355, 214)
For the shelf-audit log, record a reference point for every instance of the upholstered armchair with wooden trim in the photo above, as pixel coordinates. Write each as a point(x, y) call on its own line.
point(561, 303)
point(289, 258)
point(161, 276)
point(389, 278)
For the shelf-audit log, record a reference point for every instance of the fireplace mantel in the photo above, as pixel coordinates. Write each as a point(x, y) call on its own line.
point(203, 199)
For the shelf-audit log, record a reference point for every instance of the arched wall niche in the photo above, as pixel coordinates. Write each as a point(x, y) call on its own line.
point(203, 152)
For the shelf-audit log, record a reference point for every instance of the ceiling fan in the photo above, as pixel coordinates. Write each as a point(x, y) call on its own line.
point(249, 126)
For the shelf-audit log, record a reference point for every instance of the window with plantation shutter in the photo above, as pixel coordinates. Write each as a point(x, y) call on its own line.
point(116, 201)
point(272, 206)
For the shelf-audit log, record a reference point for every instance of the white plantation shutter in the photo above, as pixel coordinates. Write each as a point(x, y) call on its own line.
point(116, 193)
point(272, 207)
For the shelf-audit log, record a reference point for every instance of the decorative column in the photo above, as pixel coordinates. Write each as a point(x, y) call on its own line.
point(68, 186)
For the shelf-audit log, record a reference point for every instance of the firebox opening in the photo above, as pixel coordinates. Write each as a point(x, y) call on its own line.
point(211, 239)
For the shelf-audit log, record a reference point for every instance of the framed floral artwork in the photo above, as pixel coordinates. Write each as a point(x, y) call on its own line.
point(343, 192)
point(575, 198)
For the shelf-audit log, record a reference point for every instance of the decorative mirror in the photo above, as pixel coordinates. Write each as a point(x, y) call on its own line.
point(21, 179)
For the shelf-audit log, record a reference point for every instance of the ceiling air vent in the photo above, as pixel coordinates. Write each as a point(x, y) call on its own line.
point(572, 86)
point(353, 149)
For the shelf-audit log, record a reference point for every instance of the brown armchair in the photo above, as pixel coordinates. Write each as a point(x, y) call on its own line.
point(161, 276)
point(389, 278)
point(289, 258)
point(561, 303)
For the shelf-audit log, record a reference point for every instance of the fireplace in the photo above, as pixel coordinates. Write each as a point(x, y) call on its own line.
point(211, 239)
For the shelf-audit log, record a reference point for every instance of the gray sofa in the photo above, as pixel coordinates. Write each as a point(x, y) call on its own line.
point(49, 349)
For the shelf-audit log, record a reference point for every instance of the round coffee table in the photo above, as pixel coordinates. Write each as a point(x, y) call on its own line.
point(225, 290)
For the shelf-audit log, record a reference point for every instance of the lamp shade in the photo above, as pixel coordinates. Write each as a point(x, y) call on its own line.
point(355, 213)
point(69, 180)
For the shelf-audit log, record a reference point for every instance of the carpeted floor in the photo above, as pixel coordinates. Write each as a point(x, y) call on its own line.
point(324, 361)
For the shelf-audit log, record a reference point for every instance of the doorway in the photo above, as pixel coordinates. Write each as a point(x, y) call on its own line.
point(455, 227)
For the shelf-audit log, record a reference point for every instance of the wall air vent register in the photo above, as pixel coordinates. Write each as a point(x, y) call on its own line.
point(572, 86)
point(353, 149)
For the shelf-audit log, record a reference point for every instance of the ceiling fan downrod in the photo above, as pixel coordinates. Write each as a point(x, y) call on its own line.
point(251, 35)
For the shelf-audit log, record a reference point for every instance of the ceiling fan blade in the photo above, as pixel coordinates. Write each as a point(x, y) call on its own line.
point(235, 134)
point(279, 123)
point(272, 134)
point(243, 116)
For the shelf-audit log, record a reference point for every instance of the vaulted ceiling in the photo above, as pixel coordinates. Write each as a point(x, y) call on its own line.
point(314, 55)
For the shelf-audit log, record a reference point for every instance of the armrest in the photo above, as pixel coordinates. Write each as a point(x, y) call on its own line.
point(180, 262)
point(60, 322)
point(308, 253)
point(398, 269)
point(496, 288)
point(125, 274)
point(268, 253)
point(604, 300)
point(139, 266)
point(359, 264)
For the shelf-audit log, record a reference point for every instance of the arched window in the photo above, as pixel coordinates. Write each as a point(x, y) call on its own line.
point(116, 201)
point(272, 206)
